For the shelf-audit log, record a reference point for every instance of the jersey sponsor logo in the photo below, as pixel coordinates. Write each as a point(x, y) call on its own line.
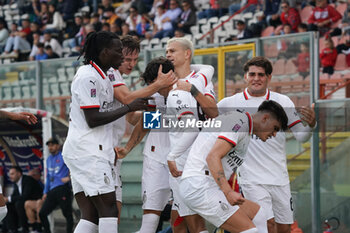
point(152, 120)
point(111, 77)
point(181, 106)
point(175, 94)
point(236, 128)
point(93, 92)
point(234, 160)
point(106, 106)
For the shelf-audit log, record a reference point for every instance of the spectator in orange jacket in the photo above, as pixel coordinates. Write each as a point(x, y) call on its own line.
point(328, 57)
point(323, 17)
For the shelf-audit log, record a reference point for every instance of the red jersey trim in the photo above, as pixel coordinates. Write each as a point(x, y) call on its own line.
point(205, 79)
point(210, 95)
point(90, 106)
point(245, 95)
point(98, 69)
point(250, 123)
point(228, 140)
point(294, 123)
point(118, 85)
point(152, 106)
point(184, 113)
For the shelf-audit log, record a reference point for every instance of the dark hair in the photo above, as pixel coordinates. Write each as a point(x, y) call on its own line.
point(17, 168)
point(151, 71)
point(285, 2)
point(48, 47)
point(303, 26)
point(276, 110)
point(287, 24)
point(95, 43)
point(130, 44)
point(240, 22)
point(40, 45)
point(260, 62)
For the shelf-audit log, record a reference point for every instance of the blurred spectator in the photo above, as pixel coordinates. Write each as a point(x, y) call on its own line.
point(55, 45)
point(70, 7)
point(188, 17)
point(236, 5)
point(106, 4)
point(122, 10)
point(290, 16)
point(95, 21)
point(303, 60)
point(57, 23)
point(4, 34)
point(345, 49)
point(74, 28)
point(215, 9)
point(18, 41)
point(40, 54)
point(106, 27)
point(36, 174)
point(153, 12)
point(110, 16)
point(57, 191)
point(323, 17)
point(115, 29)
point(86, 18)
point(133, 19)
point(125, 29)
point(37, 38)
point(41, 13)
point(143, 6)
point(302, 27)
point(243, 31)
point(173, 12)
point(272, 11)
point(162, 26)
point(50, 53)
point(179, 33)
point(328, 57)
point(25, 188)
point(143, 27)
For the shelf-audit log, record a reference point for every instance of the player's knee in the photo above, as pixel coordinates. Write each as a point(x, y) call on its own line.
point(251, 230)
point(3, 212)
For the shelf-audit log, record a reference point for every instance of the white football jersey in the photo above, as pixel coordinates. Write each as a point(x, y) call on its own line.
point(265, 162)
point(236, 128)
point(90, 89)
point(119, 125)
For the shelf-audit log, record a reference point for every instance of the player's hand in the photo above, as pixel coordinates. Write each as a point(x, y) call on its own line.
point(139, 104)
point(165, 80)
point(173, 169)
point(26, 116)
point(183, 86)
point(307, 115)
point(65, 179)
point(44, 197)
point(121, 152)
point(234, 198)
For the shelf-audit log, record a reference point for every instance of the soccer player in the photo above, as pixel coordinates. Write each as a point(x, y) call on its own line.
point(122, 95)
point(263, 176)
point(214, 155)
point(30, 119)
point(88, 148)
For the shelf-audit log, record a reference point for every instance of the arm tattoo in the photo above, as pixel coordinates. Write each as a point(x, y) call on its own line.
point(221, 175)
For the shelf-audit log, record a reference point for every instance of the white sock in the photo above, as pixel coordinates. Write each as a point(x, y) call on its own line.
point(3, 212)
point(85, 226)
point(251, 230)
point(260, 221)
point(109, 225)
point(204, 231)
point(149, 223)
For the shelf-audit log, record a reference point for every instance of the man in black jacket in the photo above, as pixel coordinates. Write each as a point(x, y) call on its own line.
point(25, 188)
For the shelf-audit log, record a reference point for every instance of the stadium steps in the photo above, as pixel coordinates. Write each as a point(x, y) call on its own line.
point(298, 165)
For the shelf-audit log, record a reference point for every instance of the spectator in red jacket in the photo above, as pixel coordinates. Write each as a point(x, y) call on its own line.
point(323, 17)
point(303, 60)
point(328, 57)
point(290, 16)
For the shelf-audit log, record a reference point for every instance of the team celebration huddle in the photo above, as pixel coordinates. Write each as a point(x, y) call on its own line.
point(190, 165)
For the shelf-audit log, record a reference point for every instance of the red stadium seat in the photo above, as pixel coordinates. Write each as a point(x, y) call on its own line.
point(279, 67)
point(341, 63)
point(267, 31)
point(290, 68)
point(305, 13)
point(341, 8)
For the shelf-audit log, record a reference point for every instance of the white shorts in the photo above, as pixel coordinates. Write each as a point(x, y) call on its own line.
point(205, 198)
point(275, 199)
point(155, 185)
point(178, 204)
point(118, 180)
point(91, 175)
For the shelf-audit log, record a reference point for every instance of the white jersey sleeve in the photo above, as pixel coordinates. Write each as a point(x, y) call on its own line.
point(115, 77)
point(209, 91)
point(204, 71)
point(88, 90)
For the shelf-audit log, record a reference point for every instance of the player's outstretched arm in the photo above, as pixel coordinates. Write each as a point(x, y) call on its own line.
point(207, 103)
point(219, 150)
point(303, 133)
point(136, 137)
point(125, 96)
point(26, 116)
point(95, 118)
